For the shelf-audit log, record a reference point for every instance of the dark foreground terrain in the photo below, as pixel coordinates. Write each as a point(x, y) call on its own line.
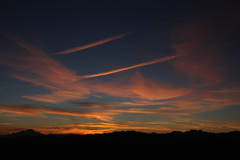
point(176, 144)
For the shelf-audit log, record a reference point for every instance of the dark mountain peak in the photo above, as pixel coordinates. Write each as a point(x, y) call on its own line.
point(28, 132)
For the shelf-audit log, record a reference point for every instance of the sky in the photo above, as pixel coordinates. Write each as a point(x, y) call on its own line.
point(90, 67)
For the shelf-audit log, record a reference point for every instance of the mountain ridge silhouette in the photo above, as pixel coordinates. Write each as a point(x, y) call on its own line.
point(27, 132)
point(175, 144)
point(190, 133)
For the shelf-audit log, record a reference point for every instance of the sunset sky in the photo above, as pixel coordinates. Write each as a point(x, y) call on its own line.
point(89, 67)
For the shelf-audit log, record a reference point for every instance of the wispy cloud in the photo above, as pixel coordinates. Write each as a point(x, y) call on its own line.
point(191, 104)
point(35, 66)
point(106, 40)
point(167, 58)
point(38, 68)
point(224, 45)
point(140, 88)
point(202, 37)
point(44, 111)
point(201, 65)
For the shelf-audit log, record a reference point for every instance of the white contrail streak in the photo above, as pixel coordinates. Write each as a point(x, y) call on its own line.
point(106, 40)
point(131, 67)
point(225, 45)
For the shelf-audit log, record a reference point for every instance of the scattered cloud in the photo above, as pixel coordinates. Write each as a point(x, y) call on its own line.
point(142, 88)
point(38, 68)
point(149, 89)
point(186, 104)
point(33, 65)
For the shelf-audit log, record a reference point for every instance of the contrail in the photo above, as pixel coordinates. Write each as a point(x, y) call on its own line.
point(224, 45)
point(131, 67)
point(93, 44)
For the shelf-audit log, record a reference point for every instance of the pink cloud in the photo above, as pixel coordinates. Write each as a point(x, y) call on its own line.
point(142, 88)
point(35, 66)
point(42, 111)
point(38, 68)
point(201, 39)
